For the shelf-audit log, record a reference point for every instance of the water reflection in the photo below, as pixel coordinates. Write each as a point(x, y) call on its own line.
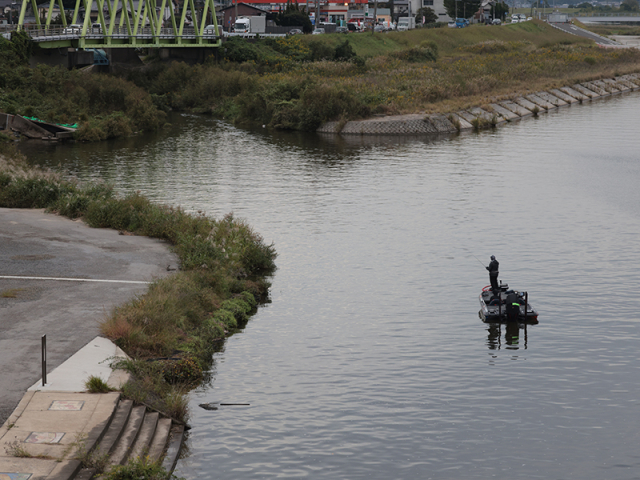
point(515, 336)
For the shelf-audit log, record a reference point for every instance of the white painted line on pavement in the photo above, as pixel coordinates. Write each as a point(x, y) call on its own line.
point(17, 277)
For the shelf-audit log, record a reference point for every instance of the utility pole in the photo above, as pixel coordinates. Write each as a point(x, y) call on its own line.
point(375, 15)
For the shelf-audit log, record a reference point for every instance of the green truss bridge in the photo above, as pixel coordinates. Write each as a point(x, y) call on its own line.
point(125, 24)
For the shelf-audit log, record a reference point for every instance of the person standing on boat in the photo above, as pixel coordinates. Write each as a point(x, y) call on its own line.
point(493, 274)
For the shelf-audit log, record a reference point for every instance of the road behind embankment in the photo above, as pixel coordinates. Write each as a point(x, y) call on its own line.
point(36, 244)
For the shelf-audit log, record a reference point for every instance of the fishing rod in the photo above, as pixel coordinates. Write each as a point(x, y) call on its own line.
point(479, 260)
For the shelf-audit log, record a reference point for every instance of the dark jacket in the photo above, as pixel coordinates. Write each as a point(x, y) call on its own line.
point(513, 299)
point(493, 268)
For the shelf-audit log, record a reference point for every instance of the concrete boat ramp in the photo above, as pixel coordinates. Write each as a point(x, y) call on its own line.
point(54, 422)
point(59, 278)
point(493, 114)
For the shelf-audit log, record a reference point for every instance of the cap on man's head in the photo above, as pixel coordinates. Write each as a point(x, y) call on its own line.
point(493, 257)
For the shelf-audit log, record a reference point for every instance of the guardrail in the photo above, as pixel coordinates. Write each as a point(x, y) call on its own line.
point(597, 14)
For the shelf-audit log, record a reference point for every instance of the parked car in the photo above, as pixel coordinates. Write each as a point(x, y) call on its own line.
point(342, 30)
point(211, 30)
point(462, 22)
point(318, 31)
point(523, 17)
point(73, 29)
point(379, 28)
point(496, 21)
point(451, 25)
point(295, 31)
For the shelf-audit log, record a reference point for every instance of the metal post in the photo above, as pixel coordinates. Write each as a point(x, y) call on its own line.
point(44, 360)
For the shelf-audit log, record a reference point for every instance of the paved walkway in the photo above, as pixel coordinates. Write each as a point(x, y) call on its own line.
point(36, 244)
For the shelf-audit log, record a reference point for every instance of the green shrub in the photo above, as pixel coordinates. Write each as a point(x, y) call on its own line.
point(238, 50)
point(239, 308)
point(183, 370)
point(430, 44)
point(321, 50)
point(344, 51)
point(417, 54)
point(226, 318)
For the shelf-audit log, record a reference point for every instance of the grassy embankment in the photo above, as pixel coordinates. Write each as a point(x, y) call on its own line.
point(298, 84)
point(171, 331)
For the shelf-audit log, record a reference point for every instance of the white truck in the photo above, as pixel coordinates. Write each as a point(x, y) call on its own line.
point(406, 23)
point(255, 24)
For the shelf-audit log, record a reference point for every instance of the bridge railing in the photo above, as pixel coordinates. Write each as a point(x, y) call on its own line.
point(42, 33)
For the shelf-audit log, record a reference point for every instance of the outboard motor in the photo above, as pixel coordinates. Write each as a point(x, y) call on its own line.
point(513, 307)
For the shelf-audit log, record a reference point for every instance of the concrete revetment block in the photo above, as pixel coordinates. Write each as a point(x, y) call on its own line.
point(515, 108)
point(525, 103)
point(508, 115)
point(568, 99)
point(543, 104)
point(552, 99)
point(585, 91)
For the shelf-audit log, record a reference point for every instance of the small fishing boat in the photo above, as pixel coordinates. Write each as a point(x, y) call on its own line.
point(493, 308)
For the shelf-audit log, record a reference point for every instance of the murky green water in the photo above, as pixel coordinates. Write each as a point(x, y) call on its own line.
point(371, 361)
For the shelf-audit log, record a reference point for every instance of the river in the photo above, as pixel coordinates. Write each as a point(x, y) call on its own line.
point(370, 362)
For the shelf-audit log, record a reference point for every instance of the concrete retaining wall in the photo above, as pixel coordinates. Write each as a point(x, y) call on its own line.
point(493, 115)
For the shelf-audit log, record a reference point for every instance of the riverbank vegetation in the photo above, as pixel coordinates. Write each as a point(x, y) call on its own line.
point(173, 329)
point(302, 81)
point(104, 106)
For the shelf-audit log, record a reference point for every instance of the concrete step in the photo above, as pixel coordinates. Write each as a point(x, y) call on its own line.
point(116, 427)
point(141, 446)
point(160, 439)
point(134, 433)
point(173, 450)
point(122, 448)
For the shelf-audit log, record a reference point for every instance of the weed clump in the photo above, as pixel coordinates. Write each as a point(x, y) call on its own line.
point(137, 468)
point(97, 385)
